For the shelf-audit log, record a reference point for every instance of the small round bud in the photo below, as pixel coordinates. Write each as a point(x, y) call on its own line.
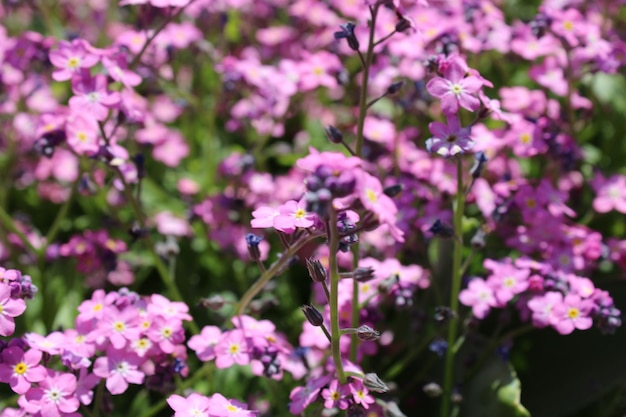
point(253, 241)
point(214, 302)
point(394, 88)
point(393, 190)
point(432, 389)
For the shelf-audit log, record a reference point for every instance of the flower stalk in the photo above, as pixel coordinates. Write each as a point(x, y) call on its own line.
point(454, 291)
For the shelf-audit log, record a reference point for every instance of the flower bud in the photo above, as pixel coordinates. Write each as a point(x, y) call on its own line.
point(393, 190)
point(441, 230)
point(347, 33)
point(394, 88)
point(334, 134)
point(214, 302)
point(478, 240)
point(432, 389)
point(372, 382)
point(253, 241)
point(366, 333)
point(312, 315)
point(317, 272)
point(363, 274)
point(479, 163)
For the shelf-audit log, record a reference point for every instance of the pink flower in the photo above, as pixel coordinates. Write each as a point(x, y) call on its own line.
point(19, 369)
point(9, 308)
point(120, 368)
point(70, 58)
point(371, 194)
point(291, 215)
point(301, 397)
point(223, 407)
point(572, 313)
point(54, 396)
point(82, 134)
point(336, 395)
point(195, 405)
point(506, 280)
point(360, 394)
point(455, 89)
point(117, 69)
point(204, 343)
point(171, 225)
point(479, 296)
point(264, 217)
point(611, 194)
point(232, 348)
point(91, 95)
point(541, 307)
point(449, 140)
point(166, 333)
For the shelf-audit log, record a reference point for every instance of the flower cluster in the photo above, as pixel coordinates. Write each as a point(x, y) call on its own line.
point(14, 289)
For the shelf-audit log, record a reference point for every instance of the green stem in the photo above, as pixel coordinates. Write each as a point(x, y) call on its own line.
point(98, 401)
point(454, 292)
point(61, 215)
point(162, 270)
point(271, 273)
point(7, 221)
point(334, 293)
point(364, 83)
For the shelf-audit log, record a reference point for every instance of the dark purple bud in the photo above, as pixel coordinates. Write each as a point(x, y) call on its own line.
point(479, 163)
point(140, 164)
point(439, 346)
point(363, 274)
point(394, 88)
point(393, 190)
point(347, 33)
point(253, 241)
point(312, 315)
point(478, 240)
point(317, 272)
point(441, 230)
point(334, 134)
point(323, 171)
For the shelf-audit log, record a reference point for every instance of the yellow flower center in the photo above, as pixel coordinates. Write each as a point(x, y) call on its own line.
point(456, 89)
point(20, 368)
point(167, 332)
point(371, 196)
point(531, 203)
point(568, 25)
point(300, 213)
point(509, 282)
point(73, 63)
point(97, 307)
point(231, 408)
point(82, 136)
point(234, 349)
point(119, 326)
point(525, 138)
point(573, 313)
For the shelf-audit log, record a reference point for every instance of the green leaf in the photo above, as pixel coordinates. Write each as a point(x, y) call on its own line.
point(495, 391)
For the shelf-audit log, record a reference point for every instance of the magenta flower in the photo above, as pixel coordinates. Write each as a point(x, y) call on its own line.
point(572, 313)
point(54, 396)
point(336, 395)
point(204, 343)
point(541, 307)
point(166, 334)
point(506, 280)
point(232, 348)
point(118, 327)
point(264, 217)
point(223, 407)
point(360, 394)
point(611, 194)
point(301, 397)
point(195, 405)
point(455, 89)
point(479, 296)
point(91, 96)
point(82, 134)
point(70, 58)
point(120, 368)
point(9, 308)
point(291, 215)
point(117, 69)
point(19, 369)
point(451, 139)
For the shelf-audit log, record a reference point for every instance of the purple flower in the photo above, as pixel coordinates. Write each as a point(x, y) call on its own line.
point(54, 396)
point(455, 89)
point(449, 140)
point(119, 368)
point(479, 296)
point(20, 369)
